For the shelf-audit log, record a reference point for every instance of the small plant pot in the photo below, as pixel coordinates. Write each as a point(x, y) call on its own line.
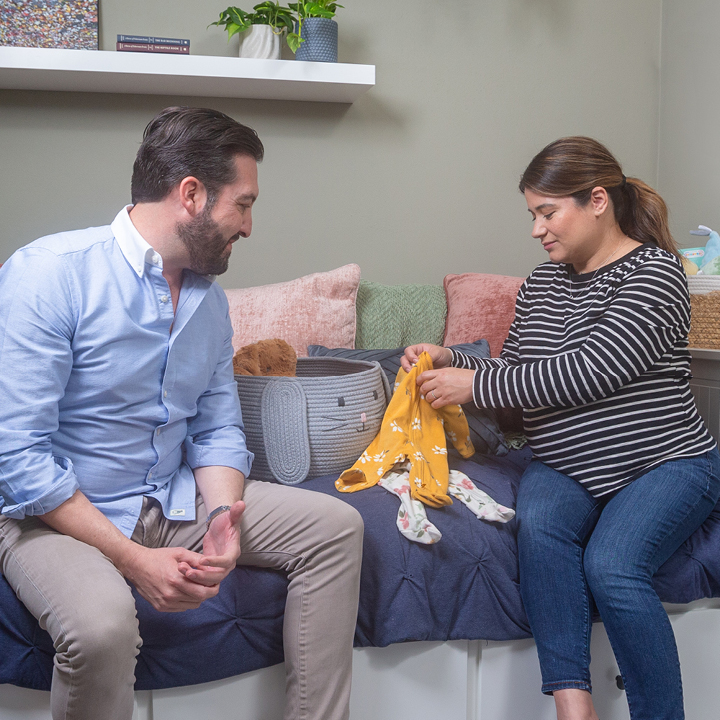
point(321, 40)
point(260, 42)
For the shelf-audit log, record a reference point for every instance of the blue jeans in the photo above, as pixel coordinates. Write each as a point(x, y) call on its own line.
point(574, 548)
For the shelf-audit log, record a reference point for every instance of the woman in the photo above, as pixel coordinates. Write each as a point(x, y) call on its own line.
point(623, 469)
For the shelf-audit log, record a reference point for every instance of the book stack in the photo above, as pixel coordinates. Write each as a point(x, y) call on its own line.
point(146, 43)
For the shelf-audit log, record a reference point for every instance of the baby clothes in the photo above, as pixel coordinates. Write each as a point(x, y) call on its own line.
point(412, 431)
point(412, 520)
point(408, 458)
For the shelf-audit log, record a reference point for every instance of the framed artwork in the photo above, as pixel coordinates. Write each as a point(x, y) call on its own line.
point(49, 23)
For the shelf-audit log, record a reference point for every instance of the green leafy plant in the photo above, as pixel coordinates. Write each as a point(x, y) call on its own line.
point(235, 20)
point(306, 9)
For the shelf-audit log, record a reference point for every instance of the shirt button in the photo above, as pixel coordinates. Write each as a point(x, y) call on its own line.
point(164, 298)
point(156, 259)
point(149, 476)
point(165, 393)
point(157, 432)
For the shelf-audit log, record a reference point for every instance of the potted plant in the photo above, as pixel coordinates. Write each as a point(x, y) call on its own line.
point(263, 28)
point(316, 33)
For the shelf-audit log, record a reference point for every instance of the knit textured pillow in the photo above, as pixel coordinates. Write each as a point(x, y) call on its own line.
point(390, 316)
point(317, 308)
point(485, 432)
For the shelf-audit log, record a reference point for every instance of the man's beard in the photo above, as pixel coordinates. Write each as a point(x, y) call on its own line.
point(205, 244)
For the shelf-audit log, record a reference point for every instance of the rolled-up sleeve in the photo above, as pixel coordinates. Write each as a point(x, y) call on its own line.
point(37, 321)
point(215, 434)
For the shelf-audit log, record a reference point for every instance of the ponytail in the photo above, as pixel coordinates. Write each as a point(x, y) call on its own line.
point(574, 166)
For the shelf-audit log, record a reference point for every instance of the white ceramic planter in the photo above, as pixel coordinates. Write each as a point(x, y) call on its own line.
point(260, 42)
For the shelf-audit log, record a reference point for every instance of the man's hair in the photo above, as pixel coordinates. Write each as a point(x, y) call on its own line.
point(180, 142)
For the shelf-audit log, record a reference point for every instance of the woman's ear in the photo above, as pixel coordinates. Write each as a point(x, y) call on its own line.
point(599, 200)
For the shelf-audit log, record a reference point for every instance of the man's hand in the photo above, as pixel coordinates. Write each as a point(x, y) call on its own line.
point(221, 549)
point(157, 575)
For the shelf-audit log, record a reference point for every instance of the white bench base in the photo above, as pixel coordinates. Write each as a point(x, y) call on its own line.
point(459, 680)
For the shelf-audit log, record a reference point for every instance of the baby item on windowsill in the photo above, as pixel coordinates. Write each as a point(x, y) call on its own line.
point(703, 260)
point(408, 458)
point(704, 288)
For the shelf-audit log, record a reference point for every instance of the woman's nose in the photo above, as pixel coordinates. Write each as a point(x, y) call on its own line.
point(538, 229)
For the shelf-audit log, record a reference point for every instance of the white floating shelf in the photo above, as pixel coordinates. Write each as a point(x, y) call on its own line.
point(196, 75)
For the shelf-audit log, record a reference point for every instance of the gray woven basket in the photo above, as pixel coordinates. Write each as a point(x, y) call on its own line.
point(317, 423)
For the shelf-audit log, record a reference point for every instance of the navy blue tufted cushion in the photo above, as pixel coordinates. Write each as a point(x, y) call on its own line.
point(464, 587)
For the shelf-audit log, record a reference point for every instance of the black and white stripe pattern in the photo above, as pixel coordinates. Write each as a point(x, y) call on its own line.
point(599, 364)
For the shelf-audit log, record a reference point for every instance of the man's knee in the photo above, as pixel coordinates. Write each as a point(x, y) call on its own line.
point(107, 636)
point(339, 521)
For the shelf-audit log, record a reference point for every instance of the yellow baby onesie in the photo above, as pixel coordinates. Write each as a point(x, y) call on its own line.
point(412, 431)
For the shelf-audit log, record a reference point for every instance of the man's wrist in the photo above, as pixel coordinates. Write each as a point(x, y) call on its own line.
point(217, 511)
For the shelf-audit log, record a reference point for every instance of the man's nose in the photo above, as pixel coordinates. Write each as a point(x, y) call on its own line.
point(246, 228)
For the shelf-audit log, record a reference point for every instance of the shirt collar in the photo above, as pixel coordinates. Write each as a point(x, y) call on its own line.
point(134, 247)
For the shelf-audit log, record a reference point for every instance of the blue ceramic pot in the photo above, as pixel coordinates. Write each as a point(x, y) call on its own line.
point(321, 40)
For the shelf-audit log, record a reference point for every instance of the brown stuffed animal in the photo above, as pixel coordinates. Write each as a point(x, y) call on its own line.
point(266, 357)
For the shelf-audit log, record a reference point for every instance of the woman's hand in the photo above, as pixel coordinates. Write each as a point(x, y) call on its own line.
point(447, 386)
point(441, 357)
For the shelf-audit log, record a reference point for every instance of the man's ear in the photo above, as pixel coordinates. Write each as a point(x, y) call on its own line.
point(193, 195)
point(599, 200)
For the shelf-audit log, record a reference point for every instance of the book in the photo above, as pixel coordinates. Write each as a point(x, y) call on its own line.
point(150, 40)
point(69, 24)
point(149, 48)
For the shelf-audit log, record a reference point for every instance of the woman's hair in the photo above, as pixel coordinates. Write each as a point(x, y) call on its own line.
point(573, 166)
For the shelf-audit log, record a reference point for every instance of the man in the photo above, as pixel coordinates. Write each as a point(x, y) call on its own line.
point(122, 455)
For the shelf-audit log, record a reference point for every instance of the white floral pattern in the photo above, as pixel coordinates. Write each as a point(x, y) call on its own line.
point(460, 486)
point(412, 521)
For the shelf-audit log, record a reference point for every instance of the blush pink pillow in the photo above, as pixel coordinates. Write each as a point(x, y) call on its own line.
point(480, 306)
point(317, 309)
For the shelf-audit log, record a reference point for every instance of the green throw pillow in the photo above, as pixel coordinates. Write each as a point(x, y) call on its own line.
point(391, 316)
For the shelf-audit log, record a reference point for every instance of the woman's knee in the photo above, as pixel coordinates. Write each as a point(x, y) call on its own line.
point(610, 570)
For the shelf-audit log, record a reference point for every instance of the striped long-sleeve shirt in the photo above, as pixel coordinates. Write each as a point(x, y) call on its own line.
point(599, 364)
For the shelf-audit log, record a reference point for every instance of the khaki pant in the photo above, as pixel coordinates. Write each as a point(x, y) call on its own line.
point(86, 606)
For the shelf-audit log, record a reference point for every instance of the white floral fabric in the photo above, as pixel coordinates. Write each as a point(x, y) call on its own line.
point(412, 520)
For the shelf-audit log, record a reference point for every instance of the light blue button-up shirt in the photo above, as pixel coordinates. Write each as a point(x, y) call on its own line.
point(103, 387)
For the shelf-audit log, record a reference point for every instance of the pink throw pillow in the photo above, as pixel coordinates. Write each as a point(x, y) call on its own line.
point(480, 306)
point(317, 309)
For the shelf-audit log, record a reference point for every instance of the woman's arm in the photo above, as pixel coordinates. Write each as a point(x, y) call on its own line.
point(649, 314)
point(452, 378)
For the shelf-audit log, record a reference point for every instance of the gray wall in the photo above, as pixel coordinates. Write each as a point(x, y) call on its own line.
point(689, 167)
point(415, 180)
